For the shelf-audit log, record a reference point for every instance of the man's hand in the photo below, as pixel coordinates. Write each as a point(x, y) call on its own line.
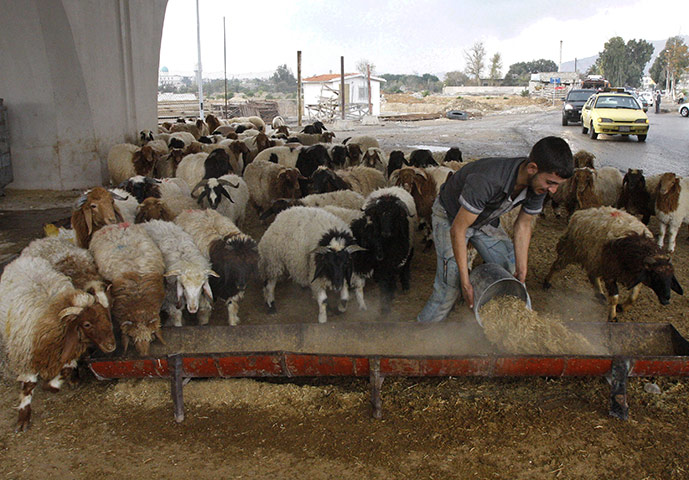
point(468, 294)
point(520, 275)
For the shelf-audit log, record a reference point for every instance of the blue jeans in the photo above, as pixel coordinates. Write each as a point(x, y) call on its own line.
point(493, 249)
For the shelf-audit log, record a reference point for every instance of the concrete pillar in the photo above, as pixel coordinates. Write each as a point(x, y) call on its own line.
point(78, 76)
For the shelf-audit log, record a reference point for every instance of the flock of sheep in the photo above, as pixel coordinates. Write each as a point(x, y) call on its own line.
point(167, 236)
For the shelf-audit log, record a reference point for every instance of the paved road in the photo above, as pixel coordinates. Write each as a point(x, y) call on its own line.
point(666, 149)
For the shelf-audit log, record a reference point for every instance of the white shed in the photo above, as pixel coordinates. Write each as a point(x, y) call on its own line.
point(324, 87)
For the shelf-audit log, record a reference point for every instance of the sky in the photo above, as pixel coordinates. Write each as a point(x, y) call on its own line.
point(402, 36)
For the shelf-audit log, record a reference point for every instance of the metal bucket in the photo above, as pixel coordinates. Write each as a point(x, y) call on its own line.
point(490, 280)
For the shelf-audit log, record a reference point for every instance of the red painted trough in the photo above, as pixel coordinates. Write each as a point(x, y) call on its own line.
point(378, 350)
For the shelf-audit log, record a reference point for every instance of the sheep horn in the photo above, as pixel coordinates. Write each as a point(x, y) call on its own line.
point(355, 248)
point(118, 197)
point(222, 181)
point(226, 194)
point(150, 180)
point(200, 199)
point(202, 183)
point(320, 250)
point(81, 201)
point(69, 311)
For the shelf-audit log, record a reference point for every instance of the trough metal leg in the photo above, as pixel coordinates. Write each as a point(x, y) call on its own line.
point(618, 388)
point(376, 384)
point(176, 384)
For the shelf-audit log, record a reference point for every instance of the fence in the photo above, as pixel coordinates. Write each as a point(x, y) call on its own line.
point(172, 106)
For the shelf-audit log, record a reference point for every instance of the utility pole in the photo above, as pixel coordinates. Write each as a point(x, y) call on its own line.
point(368, 76)
point(224, 44)
point(199, 74)
point(559, 68)
point(342, 88)
point(299, 103)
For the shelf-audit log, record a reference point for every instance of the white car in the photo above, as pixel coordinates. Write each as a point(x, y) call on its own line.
point(648, 96)
point(684, 110)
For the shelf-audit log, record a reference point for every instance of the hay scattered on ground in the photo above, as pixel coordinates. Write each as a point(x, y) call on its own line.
point(509, 324)
point(246, 393)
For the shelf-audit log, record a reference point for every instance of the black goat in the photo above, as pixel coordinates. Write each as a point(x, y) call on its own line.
point(422, 159)
point(175, 143)
point(338, 157)
point(384, 232)
point(315, 127)
point(235, 260)
point(396, 161)
point(634, 197)
point(325, 180)
point(454, 154)
point(217, 164)
point(308, 161)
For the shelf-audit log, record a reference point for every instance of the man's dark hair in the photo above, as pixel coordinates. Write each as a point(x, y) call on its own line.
point(553, 155)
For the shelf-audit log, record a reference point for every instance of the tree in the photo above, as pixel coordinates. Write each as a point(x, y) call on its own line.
point(475, 57)
point(495, 67)
point(623, 64)
point(519, 73)
point(658, 71)
point(456, 78)
point(363, 64)
point(283, 80)
point(675, 60)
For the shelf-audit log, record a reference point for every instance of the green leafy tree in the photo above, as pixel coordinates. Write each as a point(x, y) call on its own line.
point(673, 60)
point(623, 64)
point(283, 80)
point(475, 60)
point(411, 83)
point(456, 78)
point(495, 67)
point(519, 73)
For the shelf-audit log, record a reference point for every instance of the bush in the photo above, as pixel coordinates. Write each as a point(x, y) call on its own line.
point(459, 97)
point(425, 93)
point(269, 97)
point(525, 93)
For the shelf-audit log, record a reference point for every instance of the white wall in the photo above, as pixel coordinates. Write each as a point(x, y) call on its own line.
point(78, 76)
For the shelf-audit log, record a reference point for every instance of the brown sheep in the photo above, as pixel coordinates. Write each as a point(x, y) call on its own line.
point(422, 188)
point(167, 165)
point(635, 198)
point(153, 209)
point(94, 209)
point(212, 122)
point(584, 159)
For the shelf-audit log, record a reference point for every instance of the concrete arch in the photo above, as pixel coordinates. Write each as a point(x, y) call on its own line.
point(78, 76)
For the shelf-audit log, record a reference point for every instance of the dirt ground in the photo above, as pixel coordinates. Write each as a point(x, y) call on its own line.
point(486, 428)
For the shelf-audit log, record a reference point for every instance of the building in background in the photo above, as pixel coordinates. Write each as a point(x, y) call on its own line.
point(322, 91)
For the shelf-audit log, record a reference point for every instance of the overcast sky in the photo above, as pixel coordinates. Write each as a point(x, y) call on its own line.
point(402, 36)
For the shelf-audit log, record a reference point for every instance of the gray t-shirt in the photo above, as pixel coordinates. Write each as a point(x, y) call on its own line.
point(484, 187)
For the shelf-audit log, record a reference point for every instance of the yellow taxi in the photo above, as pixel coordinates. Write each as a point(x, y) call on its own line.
point(614, 112)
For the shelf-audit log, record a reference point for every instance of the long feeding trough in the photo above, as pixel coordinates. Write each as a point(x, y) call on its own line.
point(378, 350)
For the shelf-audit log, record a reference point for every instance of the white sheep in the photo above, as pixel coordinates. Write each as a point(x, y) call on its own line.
point(607, 183)
point(671, 207)
point(375, 158)
point(191, 169)
point(364, 141)
point(284, 155)
point(314, 248)
point(126, 203)
point(440, 175)
point(46, 325)
point(74, 262)
point(186, 272)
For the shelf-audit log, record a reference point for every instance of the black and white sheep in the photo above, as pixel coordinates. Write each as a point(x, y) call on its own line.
point(232, 254)
point(315, 249)
point(386, 231)
point(228, 194)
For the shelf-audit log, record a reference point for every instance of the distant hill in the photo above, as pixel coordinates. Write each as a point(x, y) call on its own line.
point(583, 64)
